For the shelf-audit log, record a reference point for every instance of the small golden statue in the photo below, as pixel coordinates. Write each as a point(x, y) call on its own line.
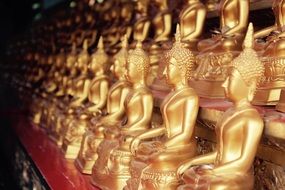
point(216, 53)
point(111, 169)
point(97, 96)
point(156, 161)
point(115, 112)
point(238, 132)
point(272, 53)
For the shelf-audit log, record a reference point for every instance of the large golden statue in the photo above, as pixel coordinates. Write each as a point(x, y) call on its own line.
point(156, 161)
point(111, 169)
point(97, 97)
point(238, 132)
point(272, 53)
point(217, 52)
point(115, 112)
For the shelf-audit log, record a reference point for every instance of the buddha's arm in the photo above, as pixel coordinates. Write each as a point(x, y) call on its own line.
point(149, 134)
point(264, 32)
point(200, 20)
point(118, 114)
point(147, 107)
point(252, 133)
point(167, 27)
point(104, 88)
point(145, 31)
point(191, 106)
point(243, 18)
point(199, 160)
point(84, 95)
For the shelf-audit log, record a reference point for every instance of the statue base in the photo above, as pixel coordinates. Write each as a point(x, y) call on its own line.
point(281, 104)
point(70, 151)
point(84, 166)
point(267, 97)
point(118, 174)
point(156, 180)
point(208, 89)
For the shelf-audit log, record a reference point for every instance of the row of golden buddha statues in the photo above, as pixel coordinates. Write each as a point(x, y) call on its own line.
point(98, 109)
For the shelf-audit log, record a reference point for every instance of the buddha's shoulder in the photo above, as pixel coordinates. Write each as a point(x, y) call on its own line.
point(188, 93)
point(250, 114)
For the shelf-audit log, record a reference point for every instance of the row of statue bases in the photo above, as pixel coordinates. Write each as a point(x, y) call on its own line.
point(112, 136)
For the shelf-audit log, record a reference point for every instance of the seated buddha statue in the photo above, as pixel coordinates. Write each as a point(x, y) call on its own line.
point(272, 53)
point(142, 24)
point(67, 80)
point(162, 25)
point(238, 132)
point(169, 145)
point(78, 92)
point(192, 19)
point(193, 12)
point(111, 169)
point(216, 53)
point(97, 99)
point(115, 112)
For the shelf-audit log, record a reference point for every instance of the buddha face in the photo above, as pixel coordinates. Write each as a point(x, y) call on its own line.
point(235, 88)
point(171, 72)
point(94, 66)
point(117, 69)
point(132, 73)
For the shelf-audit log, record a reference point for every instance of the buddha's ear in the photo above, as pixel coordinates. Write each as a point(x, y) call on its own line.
point(251, 91)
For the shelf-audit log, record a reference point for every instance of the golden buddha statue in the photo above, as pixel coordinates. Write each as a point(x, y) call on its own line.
point(111, 169)
point(82, 82)
point(78, 91)
point(216, 53)
point(142, 24)
point(67, 81)
point(193, 12)
point(97, 96)
point(156, 161)
point(272, 53)
point(238, 132)
point(115, 112)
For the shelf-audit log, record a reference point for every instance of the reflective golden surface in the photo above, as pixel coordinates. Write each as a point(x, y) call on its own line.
point(238, 132)
point(156, 160)
point(111, 169)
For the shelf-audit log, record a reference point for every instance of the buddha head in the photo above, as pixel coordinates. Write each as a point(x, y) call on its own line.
point(142, 6)
point(83, 58)
point(99, 58)
point(138, 64)
point(120, 60)
point(180, 62)
point(246, 72)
